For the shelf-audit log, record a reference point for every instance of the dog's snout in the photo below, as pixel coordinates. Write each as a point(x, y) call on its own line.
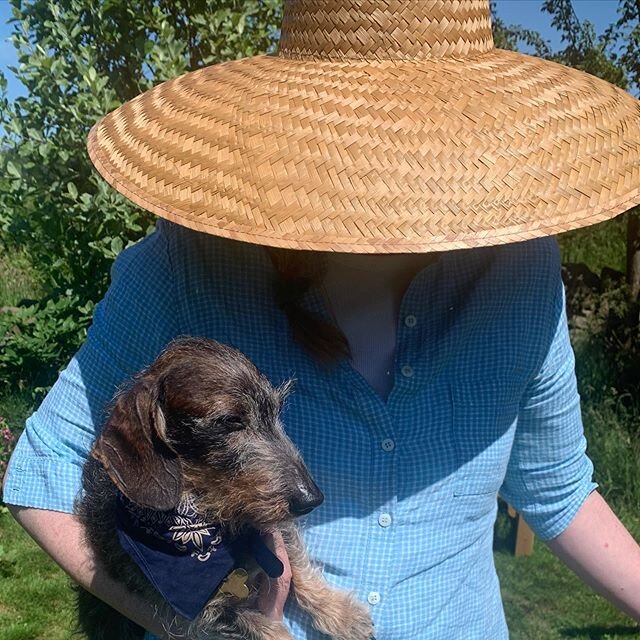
point(305, 499)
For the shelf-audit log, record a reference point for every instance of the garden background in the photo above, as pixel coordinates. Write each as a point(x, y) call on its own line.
point(61, 227)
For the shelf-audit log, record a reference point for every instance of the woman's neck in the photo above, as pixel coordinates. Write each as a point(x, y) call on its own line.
point(364, 294)
point(387, 275)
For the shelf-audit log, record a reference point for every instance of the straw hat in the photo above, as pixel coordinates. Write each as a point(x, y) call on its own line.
point(380, 126)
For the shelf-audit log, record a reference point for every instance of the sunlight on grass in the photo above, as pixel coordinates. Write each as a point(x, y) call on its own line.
point(36, 602)
point(544, 601)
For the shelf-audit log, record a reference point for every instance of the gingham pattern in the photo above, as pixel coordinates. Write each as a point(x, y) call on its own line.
point(484, 400)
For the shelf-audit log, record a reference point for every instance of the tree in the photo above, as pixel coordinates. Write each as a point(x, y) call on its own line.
point(79, 60)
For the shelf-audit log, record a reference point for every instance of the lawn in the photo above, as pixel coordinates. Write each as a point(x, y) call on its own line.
point(35, 596)
point(545, 601)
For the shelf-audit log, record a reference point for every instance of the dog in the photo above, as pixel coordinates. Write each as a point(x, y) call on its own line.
point(193, 460)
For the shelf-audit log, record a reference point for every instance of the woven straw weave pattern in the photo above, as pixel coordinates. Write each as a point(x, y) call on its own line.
point(384, 29)
point(385, 155)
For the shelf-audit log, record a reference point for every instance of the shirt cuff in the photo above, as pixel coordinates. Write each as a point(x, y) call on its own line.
point(547, 528)
point(41, 482)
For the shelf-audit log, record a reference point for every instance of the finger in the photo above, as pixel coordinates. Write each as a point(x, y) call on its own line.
point(273, 592)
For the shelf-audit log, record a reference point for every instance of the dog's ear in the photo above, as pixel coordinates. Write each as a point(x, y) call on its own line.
point(134, 452)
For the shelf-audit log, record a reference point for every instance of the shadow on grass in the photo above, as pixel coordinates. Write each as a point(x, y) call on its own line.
point(600, 633)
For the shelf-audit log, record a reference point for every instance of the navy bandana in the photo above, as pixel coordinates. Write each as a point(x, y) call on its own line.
point(184, 557)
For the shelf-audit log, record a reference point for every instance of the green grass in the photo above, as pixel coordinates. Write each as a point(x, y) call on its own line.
point(545, 601)
point(613, 436)
point(36, 601)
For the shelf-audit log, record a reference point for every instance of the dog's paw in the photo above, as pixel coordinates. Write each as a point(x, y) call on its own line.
point(345, 619)
point(360, 625)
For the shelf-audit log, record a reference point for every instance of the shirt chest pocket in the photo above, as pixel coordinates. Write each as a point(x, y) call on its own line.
point(484, 417)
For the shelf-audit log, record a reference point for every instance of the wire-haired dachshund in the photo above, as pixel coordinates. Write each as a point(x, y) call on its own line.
point(191, 468)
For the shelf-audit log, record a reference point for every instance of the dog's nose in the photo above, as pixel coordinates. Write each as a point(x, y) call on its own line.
point(305, 500)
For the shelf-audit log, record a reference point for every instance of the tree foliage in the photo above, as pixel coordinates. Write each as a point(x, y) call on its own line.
point(583, 49)
point(78, 61)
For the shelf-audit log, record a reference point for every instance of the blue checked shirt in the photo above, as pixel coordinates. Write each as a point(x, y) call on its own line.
point(484, 402)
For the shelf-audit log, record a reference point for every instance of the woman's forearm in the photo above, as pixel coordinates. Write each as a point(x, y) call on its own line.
point(599, 549)
point(61, 536)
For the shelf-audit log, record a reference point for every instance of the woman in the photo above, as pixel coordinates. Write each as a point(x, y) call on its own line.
point(429, 377)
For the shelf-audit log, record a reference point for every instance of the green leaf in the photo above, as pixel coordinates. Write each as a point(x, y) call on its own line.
point(79, 60)
point(12, 170)
point(116, 245)
point(73, 190)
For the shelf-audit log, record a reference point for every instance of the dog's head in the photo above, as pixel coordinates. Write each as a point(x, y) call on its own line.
point(202, 419)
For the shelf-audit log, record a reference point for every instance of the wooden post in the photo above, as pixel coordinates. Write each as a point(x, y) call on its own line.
point(524, 535)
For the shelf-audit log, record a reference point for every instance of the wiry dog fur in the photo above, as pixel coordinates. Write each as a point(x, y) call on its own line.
point(202, 421)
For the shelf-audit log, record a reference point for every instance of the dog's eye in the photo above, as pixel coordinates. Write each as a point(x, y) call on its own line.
point(231, 423)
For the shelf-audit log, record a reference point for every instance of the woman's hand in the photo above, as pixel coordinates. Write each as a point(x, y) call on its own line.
point(273, 592)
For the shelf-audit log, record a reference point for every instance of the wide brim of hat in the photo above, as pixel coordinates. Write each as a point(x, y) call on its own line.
point(382, 156)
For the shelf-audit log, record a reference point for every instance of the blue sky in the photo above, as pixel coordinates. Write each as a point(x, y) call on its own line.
point(524, 12)
point(527, 13)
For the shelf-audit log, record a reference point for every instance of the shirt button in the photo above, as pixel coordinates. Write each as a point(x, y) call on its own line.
point(411, 321)
point(384, 520)
point(373, 597)
point(406, 371)
point(388, 444)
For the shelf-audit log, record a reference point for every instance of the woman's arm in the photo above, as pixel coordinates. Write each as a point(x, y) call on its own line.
point(598, 548)
point(550, 477)
point(61, 536)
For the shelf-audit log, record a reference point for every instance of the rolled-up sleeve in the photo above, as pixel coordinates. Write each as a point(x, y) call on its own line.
point(131, 325)
point(549, 474)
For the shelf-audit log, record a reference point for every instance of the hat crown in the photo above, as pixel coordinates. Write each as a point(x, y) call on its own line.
point(385, 29)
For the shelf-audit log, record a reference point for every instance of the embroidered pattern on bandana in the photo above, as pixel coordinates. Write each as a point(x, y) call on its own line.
point(185, 526)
